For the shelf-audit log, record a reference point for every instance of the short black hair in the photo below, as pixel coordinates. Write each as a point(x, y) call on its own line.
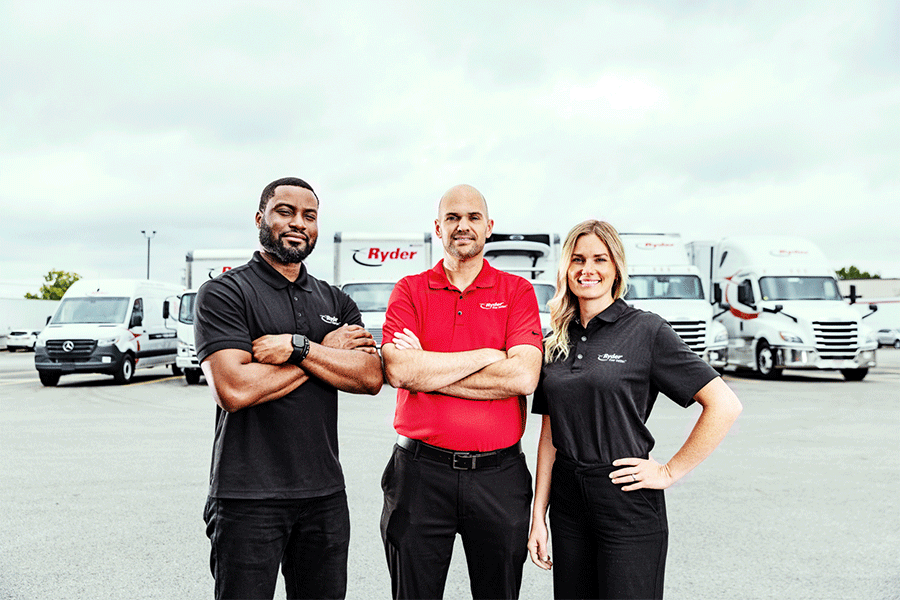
point(269, 190)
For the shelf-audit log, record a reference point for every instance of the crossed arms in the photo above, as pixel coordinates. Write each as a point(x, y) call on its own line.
point(482, 374)
point(346, 359)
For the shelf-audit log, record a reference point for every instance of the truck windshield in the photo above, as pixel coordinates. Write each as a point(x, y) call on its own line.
point(544, 291)
point(661, 287)
point(369, 297)
point(186, 310)
point(91, 310)
point(799, 288)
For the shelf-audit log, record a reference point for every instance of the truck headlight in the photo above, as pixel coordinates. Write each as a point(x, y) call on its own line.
point(722, 336)
point(40, 343)
point(790, 338)
point(112, 341)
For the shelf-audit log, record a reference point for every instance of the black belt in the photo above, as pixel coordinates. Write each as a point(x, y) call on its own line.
point(462, 461)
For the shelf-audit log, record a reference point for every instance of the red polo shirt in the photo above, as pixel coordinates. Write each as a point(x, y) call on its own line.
point(498, 310)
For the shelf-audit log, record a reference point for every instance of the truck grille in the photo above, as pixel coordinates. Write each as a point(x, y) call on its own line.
point(836, 340)
point(81, 350)
point(693, 333)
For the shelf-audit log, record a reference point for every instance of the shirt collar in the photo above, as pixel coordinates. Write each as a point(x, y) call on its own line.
point(276, 280)
point(437, 278)
point(610, 315)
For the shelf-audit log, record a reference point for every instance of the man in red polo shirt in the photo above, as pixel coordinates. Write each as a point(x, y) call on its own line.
point(464, 351)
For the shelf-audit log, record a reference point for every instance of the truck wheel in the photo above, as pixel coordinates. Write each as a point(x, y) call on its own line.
point(896, 343)
point(765, 361)
point(854, 374)
point(125, 372)
point(49, 378)
point(192, 376)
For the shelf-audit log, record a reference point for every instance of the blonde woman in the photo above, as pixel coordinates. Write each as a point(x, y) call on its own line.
point(604, 365)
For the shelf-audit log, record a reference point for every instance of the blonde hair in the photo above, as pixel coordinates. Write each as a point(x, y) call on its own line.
point(564, 304)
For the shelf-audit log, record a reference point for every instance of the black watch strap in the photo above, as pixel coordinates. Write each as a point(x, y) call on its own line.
point(301, 349)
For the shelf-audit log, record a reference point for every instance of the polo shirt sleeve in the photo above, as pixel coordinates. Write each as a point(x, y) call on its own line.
point(539, 400)
point(676, 370)
point(349, 312)
point(400, 311)
point(220, 321)
point(524, 324)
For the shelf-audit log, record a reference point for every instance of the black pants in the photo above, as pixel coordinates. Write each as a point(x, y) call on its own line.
point(426, 503)
point(309, 538)
point(606, 543)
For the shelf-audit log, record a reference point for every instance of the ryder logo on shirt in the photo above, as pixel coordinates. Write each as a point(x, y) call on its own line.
point(611, 358)
point(493, 305)
point(330, 320)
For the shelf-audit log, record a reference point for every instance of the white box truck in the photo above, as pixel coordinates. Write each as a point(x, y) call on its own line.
point(661, 279)
point(780, 303)
point(200, 266)
point(534, 256)
point(368, 265)
point(110, 326)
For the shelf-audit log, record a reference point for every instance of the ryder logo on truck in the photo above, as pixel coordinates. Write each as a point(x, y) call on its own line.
point(376, 257)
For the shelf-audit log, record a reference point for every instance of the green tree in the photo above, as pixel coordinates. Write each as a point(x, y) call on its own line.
point(854, 273)
point(57, 284)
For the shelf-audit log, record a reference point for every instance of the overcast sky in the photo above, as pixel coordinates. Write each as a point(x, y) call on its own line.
point(703, 118)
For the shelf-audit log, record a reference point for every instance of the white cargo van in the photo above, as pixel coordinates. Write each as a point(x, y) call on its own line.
point(662, 280)
point(368, 265)
point(782, 308)
point(111, 326)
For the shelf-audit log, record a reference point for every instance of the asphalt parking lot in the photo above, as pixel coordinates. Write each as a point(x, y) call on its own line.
point(103, 488)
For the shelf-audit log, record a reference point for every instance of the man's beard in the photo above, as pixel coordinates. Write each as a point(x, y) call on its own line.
point(282, 253)
point(458, 254)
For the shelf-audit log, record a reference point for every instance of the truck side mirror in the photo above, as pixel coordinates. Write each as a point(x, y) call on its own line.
point(717, 293)
point(166, 309)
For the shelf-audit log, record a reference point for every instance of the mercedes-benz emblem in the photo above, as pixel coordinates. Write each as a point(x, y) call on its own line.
point(68, 346)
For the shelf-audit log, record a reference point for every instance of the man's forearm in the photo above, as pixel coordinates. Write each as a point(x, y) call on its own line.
point(425, 371)
point(354, 371)
point(237, 384)
point(514, 376)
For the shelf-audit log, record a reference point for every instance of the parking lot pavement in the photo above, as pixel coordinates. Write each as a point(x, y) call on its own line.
point(103, 489)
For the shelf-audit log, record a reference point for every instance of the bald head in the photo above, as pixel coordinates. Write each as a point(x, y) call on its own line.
point(463, 224)
point(462, 193)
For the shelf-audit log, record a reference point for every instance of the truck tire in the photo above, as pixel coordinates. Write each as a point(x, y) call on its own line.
point(765, 361)
point(125, 371)
point(49, 378)
point(854, 374)
point(896, 343)
point(192, 376)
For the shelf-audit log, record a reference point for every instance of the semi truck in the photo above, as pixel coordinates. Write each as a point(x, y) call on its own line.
point(780, 304)
point(661, 279)
point(110, 326)
point(368, 265)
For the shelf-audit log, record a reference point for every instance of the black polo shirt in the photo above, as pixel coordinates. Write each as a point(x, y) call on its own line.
point(285, 448)
point(599, 398)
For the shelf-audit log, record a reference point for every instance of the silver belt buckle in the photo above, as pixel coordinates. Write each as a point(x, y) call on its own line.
point(463, 456)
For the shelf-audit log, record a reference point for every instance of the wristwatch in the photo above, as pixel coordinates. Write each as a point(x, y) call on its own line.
point(301, 349)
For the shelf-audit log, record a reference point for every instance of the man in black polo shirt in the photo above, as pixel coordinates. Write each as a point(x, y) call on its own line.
point(275, 345)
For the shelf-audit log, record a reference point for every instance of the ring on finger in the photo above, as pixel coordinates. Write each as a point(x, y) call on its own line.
point(634, 477)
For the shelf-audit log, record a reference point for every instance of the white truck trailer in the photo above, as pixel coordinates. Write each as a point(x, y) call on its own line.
point(782, 308)
point(201, 265)
point(368, 265)
point(661, 279)
point(110, 326)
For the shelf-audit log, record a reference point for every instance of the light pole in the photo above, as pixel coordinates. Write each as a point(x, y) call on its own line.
point(148, 236)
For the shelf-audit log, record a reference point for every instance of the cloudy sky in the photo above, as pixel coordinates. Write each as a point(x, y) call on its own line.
point(703, 118)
